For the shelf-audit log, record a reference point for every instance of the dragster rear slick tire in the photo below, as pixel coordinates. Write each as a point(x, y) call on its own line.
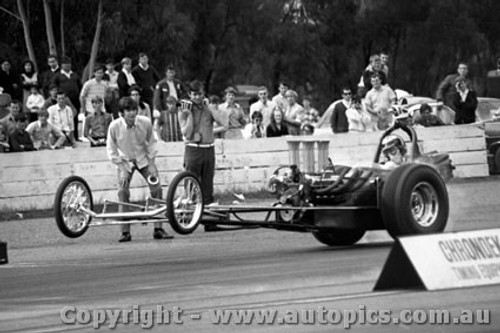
point(339, 237)
point(185, 203)
point(73, 191)
point(414, 201)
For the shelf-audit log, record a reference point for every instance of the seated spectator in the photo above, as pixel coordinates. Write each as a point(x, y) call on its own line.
point(464, 102)
point(97, 123)
point(9, 121)
point(4, 139)
point(294, 114)
point(61, 116)
point(359, 120)
point(34, 102)
point(43, 134)
point(144, 108)
point(167, 125)
point(426, 118)
point(52, 99)
point(277, 127)
point(19, 139)
point(255, 129)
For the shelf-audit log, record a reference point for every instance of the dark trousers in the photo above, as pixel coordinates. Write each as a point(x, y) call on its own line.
point(201, 162)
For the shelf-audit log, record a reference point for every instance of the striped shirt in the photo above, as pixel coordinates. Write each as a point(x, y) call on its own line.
point(93, 88)
point(168, 125)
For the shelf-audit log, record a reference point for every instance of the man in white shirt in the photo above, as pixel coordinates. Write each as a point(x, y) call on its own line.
point(43, 133)
point(61, 116)
point(379, 101)
point(264, 105)
point(131, 146)
point(280, 98)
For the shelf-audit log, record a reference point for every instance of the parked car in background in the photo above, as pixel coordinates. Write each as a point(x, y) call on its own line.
point(488, 114)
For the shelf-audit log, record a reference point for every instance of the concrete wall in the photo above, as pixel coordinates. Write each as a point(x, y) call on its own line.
point(30, 180)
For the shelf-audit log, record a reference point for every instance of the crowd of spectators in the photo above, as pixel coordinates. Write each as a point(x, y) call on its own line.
point(55, 102)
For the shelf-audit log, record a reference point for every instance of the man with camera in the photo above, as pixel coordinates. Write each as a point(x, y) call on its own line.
point(197, 121)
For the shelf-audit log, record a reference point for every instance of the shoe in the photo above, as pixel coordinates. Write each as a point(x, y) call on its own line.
point(161, 234)
point(126, 237)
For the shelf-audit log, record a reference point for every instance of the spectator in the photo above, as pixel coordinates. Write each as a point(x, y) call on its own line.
point(4, 139)
point(93, 87)
point(111, 76)
point(146, 77)
point(19, 139)
point(125, 78)
point(384, 61)
point(311, 113)
point(68, 82)
point(61, 116)
point(9, 82)
point(111, 104)
point(493, 82)
point(277, 127)
point(34, 102)
point(167, 125)
point(131, 146)
point(47, 76)
point(197, 121)
point(97, 123)
point(28, 79)
point(379, 101)
point(264, 105)
point(359, 120)
point(464, 102)
point(255, 130)
point(280, 99)
point(294, 114)
point(43, 134)
point(169, 86)
point(447, 88)
point(426, 118)
point(338, 120)
point(52, 100)
point(236, 118)
point(143, 108)
point(375, 67)
point(219, 130)
point(9, 121)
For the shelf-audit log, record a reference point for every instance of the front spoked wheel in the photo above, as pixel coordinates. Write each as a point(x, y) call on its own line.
point(72, 195)
point(185, 203)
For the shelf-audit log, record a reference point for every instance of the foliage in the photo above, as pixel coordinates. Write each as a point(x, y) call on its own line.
point(227, 42)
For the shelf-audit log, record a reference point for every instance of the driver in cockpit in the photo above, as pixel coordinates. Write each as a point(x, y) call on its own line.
point(394, 150)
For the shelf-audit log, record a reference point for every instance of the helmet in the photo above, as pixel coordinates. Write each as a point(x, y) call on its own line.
point(393, 140)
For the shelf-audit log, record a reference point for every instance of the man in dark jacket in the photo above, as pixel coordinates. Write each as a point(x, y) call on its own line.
point(169, 86)
point(464, 102)
point(338, 120)
point(146, 77)
point(447, 89)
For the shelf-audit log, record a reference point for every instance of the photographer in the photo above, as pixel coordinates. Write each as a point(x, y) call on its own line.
point(197, 123)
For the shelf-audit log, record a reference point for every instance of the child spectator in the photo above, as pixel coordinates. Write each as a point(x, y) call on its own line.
point(34, 102)
point(43, 133)
point(97, 123)
point(255, 129)
point(61, 116)
point(19, 139)
point(167, 126)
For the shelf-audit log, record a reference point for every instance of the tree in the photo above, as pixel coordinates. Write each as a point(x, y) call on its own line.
point(48, 27)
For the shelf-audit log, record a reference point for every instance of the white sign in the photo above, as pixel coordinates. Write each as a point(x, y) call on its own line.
point(441, 261)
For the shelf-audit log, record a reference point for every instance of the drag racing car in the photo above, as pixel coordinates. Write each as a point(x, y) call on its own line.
point(337, 205)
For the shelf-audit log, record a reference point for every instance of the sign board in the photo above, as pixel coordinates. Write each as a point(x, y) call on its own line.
point(442, 261)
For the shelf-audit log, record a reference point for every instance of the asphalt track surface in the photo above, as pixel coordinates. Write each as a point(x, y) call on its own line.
point(260, 270)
